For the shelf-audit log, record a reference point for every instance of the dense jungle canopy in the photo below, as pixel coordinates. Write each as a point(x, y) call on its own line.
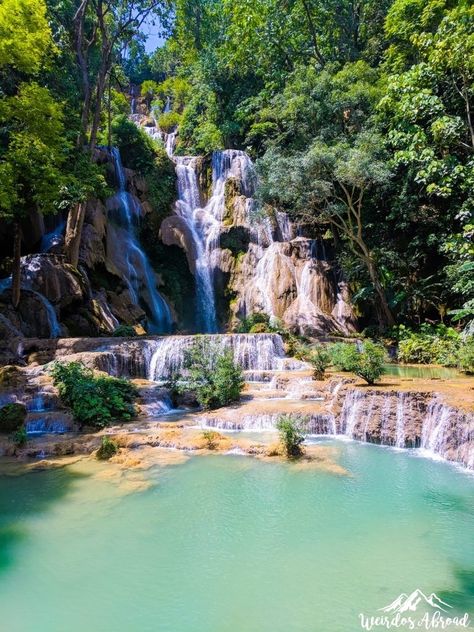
point(358, 115)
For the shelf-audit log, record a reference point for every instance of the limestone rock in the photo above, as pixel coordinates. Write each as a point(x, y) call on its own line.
point(174, 231)
point(55, 279)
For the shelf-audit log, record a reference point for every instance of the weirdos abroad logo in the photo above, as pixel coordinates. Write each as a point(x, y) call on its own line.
point(415, 611)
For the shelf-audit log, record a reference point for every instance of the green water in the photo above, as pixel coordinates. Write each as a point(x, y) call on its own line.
point(228, 543)
point(422, 371)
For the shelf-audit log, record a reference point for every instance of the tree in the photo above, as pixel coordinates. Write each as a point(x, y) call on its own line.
point(369, 364)
point(104, 27)
point(328, 184)
point(290, 429)
point(30, 165)
point(211, 374)
point(25, 35)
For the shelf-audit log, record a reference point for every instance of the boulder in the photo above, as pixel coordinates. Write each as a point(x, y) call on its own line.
point(56, 280)
point(175, 231)
point(92, 251)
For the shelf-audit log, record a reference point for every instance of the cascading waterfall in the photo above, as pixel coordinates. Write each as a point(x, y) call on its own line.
point(128, 256)
point(188, 207)
point(252, 352)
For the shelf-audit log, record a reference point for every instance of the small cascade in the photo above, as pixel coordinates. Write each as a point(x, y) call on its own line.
point(49, 423)
point(253, 352)
point(127, 255)
point(400, 425)
point(351, 412)
point(317, 424)
point(53, 238)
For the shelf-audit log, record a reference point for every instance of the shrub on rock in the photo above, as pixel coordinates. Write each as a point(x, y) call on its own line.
point(95, 400)
point(211, 375)
point(12, 417)
point(107, 450)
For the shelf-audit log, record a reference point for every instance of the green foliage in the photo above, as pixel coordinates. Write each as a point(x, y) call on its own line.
point(30, 165)
point(211, 374)
point(248, 323)
point(12, 417)
point(291, 429)
point(343, 356)
point(466, 356)
point(94, 400)
point(20, 437)
point(429, 345)
point(370, 362)
point(124, 331)
point(149, 159)
point(25, 35)
point(318, 356)
point(108, 448)
point(211, 437)
point(149, 90)
point(320, 359)
point(168, 121)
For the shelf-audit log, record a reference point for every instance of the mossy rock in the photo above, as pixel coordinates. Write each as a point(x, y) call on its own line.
point(259, 328)
point(12, 417)
point(11, 376)
point(107, 450)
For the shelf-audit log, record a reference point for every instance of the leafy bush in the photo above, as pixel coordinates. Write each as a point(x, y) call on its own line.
point(291, 430)
point(249, 322)
point(211, 437)
point(318, 356)
point(168, 121)
point(94, 400)
point(259, 328)
point(20, 437)
point(343, 356)
point(466, 356)
point(124, 331)
point(12, 417)
point(429, 345)
point(370, 362)
point(211, 374)
point(107, 450)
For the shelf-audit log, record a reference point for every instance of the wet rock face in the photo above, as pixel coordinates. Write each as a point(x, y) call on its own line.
point(56, 280)
point(31, 319)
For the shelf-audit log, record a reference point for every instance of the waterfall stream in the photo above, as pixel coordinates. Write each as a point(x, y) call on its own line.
point(125, 251)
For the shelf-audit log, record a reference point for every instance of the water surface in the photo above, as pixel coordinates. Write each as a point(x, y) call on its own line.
point(228, 543)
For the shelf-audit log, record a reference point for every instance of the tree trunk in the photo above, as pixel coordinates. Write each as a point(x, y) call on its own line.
point(16, 267)
point(387, 315)
point(75, 221)
point(82, 50)
point(99, 95)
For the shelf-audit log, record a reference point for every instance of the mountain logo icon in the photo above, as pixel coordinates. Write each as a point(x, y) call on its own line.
point(410, 603)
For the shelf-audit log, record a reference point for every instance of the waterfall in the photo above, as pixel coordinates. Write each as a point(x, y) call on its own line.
point(400, 425)
point(205, 222)
point(199, 223)
point(350, 413)
point(252, 352)
point(53, 238)
point(128, 256)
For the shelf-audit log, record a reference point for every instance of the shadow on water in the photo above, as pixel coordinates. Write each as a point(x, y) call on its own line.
point(26, 496)
point(449, 501)
point(462, 599)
